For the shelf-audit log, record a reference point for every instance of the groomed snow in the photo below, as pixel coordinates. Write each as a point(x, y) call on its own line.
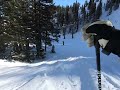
point(73, 67)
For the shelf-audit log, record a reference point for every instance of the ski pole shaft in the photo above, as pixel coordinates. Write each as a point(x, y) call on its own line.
point(97, 47)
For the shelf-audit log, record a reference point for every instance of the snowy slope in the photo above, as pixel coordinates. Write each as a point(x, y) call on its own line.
point(73, 67)
point(114, 17)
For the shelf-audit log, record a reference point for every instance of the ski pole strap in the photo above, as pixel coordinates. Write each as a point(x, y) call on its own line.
point(97, 47)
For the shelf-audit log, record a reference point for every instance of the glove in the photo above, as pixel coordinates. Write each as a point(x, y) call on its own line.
point(101, 28)
point(113, 46)
point(109, 37)
point(98, 28)
point(103, 42)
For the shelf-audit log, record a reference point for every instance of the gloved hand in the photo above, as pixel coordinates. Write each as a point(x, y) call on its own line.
point(100, 28)
point(108, 36)
point(103, 29)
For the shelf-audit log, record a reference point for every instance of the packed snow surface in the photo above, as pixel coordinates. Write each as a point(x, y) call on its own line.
point(72, 67)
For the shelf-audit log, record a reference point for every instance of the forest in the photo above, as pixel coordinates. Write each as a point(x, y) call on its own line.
point(28, 27)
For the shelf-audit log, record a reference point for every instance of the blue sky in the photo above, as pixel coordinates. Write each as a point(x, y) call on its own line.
point(67, 2)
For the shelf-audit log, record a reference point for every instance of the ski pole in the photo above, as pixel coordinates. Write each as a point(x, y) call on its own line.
point(97, 47)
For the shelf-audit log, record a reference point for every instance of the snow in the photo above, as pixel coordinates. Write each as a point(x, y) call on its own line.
point(114, 17)
point(73, 67)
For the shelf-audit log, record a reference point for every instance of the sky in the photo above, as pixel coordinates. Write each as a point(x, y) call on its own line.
point(67, 2)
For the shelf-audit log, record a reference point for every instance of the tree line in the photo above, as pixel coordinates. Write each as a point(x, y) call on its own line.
point(68, 18)
point(28, 27)
point(24, 23)
point(92, 10)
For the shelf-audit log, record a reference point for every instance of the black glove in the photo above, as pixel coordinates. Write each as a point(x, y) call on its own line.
point(102, 30)
point(113, 46)
point(109, 37)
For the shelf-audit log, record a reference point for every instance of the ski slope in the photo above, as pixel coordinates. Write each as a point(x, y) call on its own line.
point(73, 67)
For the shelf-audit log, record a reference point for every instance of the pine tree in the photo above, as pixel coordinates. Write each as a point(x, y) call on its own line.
point(8, 19)
point(24, 22)
point(46, 30)
point(86, 3)
point(116, 4)
point(76, 6)
point(92, 10)
point(61, 15)
point(71, 16)
point(108, 5)
point(2, 49)
point(99, 10)
point(110, 8)
point(89, 4)
point(67, 15)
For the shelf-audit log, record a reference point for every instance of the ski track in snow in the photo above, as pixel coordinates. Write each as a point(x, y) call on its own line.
point(73, 67)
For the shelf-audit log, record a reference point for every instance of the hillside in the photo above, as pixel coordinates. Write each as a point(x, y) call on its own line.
point(73, 67)
point(114, 17)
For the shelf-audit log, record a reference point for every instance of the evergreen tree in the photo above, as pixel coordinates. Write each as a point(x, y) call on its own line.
point(99, 10)
point(45, 28)
point(108, 5)
point(89, 4)
point(67, 15)
point(116, 4)
point(92, 11)
point(110, 8)
point(2, 49)
point(24, 22)
point(76, 6)
point(8, 31)
point(83, 12)
point(86, 3)
point(71, 16)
